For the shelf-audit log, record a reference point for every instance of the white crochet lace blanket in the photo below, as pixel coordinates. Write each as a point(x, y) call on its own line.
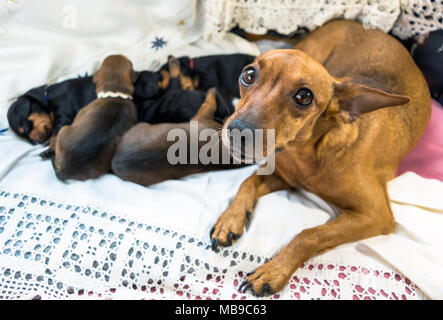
point(107, 238)
point(60, 250)
point(406, 17)
point(418, 17)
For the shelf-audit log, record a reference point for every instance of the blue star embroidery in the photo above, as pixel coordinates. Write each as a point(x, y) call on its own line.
point(158, 43)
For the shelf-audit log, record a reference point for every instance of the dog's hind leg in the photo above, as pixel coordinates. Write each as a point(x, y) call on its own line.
point(231, 223)
point(164, 83)
point(50, 151)
point(208, 107)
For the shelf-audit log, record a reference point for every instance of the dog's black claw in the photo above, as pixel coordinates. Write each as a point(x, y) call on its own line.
point(211, 232)
point(250, 273)
point(265, 290)
point(249, 286)
point(230, 237)
point(242, 284)
point(248, 215)
point(214, 244)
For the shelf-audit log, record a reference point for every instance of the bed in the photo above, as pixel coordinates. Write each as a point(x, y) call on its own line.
point(110, 239)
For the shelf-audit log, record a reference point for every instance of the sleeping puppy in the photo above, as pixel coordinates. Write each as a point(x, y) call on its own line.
point(221, 71)
point(84, 149)
point(62, 101)
point(180, 102)
point(41, 112)
point(142, 155)
point(28, 120)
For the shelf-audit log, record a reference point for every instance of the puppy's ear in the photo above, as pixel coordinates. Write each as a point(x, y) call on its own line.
point(96, 76)
point(357, 99)
point(23, 106)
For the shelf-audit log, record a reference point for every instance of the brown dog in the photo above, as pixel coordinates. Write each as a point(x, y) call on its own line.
point(142, 155)
point(84, 150)
point(346, 107)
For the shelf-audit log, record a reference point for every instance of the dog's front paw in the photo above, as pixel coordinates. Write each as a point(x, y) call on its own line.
point(267, 279)
point(228, 228)
point(47, 154)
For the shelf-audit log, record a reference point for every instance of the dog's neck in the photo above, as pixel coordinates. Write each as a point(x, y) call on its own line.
point(113, 94)
point(115, 86)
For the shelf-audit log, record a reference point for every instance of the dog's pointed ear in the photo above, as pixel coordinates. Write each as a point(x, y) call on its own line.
point(356, 99)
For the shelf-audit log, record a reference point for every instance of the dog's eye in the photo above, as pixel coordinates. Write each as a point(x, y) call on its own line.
point(304, 98)
point(248, 76)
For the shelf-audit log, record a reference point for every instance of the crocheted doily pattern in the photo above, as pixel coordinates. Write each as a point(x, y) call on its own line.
point(406, 18)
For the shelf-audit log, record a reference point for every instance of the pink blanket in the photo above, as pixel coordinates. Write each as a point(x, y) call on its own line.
point(426, 159)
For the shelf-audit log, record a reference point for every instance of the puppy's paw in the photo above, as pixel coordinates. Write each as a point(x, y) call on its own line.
point(228, 228)
point(267, 279)
point(164, 83)
point(212, 92)
point(174, 66)
point(47, 154)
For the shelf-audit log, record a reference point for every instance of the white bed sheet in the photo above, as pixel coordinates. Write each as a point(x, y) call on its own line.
point(107, 238)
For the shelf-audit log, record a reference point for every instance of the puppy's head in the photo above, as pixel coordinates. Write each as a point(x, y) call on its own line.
point(41, 127)
point(115, 74)
point(28, 120)
point(147, 85)
point(288, 91)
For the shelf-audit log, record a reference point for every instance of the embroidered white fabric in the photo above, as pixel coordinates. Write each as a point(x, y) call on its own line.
point(60, 250)
point(285, 16)
point(107, 238)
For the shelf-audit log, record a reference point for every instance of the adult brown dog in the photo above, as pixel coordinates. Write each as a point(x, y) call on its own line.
point(346, 107)
point(84, 150)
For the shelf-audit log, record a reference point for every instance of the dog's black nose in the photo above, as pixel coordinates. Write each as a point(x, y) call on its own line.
point(242, 132)
point(240, 125)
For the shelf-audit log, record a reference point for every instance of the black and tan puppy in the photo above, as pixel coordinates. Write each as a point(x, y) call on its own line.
point(181, 101)
point(221, 71)
point(41, 112)
point(30, 121)
point(142, 155)
point(85, 149)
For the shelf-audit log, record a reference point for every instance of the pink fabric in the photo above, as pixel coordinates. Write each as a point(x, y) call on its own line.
point(426, 159)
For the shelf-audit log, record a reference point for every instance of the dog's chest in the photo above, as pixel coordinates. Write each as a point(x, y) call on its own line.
point(304, 172)
point(295, 169)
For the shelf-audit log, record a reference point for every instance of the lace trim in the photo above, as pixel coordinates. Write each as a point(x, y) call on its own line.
point(285, 17)
point(57, 251)
point(419, 17)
